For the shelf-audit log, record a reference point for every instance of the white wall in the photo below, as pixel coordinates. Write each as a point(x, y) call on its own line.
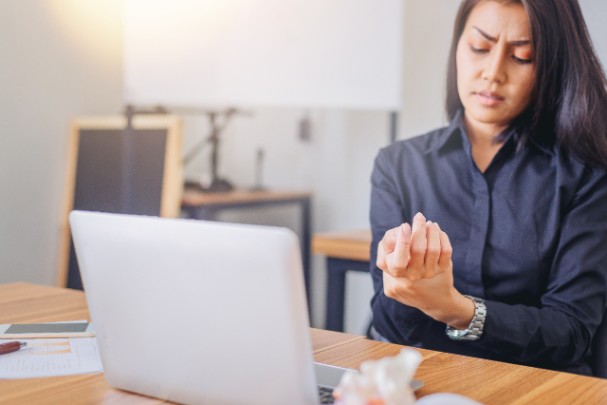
point(595, 13)
point(296, 53)
point(427, 37)
point(58, 59)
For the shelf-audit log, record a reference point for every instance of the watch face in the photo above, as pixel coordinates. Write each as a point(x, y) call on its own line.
point(458, 334)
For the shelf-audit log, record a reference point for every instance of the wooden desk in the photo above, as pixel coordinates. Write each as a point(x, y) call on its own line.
point(486, 381)
point(344, 251)
point(23, 303)
point(199, 205)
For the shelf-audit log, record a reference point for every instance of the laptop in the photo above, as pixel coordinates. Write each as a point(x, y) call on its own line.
point(198, 312)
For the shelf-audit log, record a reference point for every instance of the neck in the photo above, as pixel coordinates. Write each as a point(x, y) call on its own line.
point(483, 134)
point(484, 142)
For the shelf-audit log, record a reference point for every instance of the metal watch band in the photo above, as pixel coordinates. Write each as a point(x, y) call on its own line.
point(475, 330)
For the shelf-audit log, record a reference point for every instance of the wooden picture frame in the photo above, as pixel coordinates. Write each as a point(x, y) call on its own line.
point(114, 168)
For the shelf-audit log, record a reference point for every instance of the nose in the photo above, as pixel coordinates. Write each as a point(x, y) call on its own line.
point(495, 69)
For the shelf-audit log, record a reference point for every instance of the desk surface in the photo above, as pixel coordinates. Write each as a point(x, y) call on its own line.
point(489, 382)
point(34, 303)
point(351, 245)
point(195, 198)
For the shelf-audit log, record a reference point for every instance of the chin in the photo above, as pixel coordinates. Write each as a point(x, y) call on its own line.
point(502, 114)
point(488, 117)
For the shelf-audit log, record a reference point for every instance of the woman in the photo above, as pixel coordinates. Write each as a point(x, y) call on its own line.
point(506, 257)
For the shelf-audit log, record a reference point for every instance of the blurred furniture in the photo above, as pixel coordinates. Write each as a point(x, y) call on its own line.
point(486, 381)
point(121, 164)
point(344, 251)
point(197, 204)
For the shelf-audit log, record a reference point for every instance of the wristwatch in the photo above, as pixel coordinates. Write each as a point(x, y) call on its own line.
point(474, 331)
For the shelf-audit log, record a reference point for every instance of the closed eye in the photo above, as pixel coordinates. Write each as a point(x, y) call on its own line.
point(521, 60)
point(478, 50)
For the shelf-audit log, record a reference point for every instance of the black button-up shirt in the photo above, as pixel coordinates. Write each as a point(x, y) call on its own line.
point(529, 236)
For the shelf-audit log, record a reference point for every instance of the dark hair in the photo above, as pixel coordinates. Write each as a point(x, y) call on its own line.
point(570, 95)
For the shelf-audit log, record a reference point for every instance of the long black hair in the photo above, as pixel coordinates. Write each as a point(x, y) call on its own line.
point(569, 104)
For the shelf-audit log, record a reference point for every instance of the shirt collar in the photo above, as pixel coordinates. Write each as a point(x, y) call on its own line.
point(456, 126)
point(544, 145)
point(457, 131)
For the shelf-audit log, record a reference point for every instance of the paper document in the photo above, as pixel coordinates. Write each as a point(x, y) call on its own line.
point(51, 357)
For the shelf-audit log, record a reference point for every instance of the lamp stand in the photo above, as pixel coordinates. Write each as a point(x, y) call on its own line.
point(217, 184)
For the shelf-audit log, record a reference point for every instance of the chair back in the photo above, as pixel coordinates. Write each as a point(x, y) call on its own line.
point(599, 350)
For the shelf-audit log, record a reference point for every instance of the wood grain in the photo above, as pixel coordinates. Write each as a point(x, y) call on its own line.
point(352, 245)
point(325, 339)
point(489, 382)
point(194, 198)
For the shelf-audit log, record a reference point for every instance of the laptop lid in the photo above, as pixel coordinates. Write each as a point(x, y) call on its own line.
point(195, 311)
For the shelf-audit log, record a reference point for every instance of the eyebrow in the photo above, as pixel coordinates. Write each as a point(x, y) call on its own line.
point(493, 39)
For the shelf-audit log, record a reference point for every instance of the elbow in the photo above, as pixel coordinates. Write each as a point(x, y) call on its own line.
point(569, 344)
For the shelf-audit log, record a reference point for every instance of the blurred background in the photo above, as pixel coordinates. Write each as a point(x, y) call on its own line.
point(61, 59)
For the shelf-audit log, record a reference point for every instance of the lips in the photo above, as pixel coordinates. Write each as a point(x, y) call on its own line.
point(489, 98)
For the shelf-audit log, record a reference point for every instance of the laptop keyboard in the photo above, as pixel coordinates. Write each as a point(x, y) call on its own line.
point(325, 395)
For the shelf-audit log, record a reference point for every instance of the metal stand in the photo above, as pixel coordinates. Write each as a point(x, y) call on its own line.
point(217, 184)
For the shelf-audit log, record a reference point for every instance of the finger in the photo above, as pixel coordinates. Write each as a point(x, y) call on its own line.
point(444, 260)
point(381, 257)
point(398, 260)
point(418, 220)
point(393, 287)
point(389, 239)
point(385, 247)
point(388, 285)
point(418, 247)
point(433, 249)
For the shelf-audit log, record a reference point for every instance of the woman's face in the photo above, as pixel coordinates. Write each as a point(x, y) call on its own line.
point(495, 64)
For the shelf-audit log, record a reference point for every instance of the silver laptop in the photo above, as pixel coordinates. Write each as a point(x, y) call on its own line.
point(198, 312)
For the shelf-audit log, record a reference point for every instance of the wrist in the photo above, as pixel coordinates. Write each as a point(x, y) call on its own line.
point(459, 311)
point(474, 330)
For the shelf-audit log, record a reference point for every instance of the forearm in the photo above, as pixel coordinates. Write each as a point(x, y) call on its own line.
point(397, 322)
point(519, 334)
point(539, 336)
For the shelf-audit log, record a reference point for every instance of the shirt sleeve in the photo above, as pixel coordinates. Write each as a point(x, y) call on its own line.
point(560, 331)
point(396, 322)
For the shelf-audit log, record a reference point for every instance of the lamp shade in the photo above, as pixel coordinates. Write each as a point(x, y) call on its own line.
point(264, 53)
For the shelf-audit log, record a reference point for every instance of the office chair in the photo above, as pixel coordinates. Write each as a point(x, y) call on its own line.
point(599, 350)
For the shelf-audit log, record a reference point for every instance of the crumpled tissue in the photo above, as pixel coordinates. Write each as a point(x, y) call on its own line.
point(380, 382)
